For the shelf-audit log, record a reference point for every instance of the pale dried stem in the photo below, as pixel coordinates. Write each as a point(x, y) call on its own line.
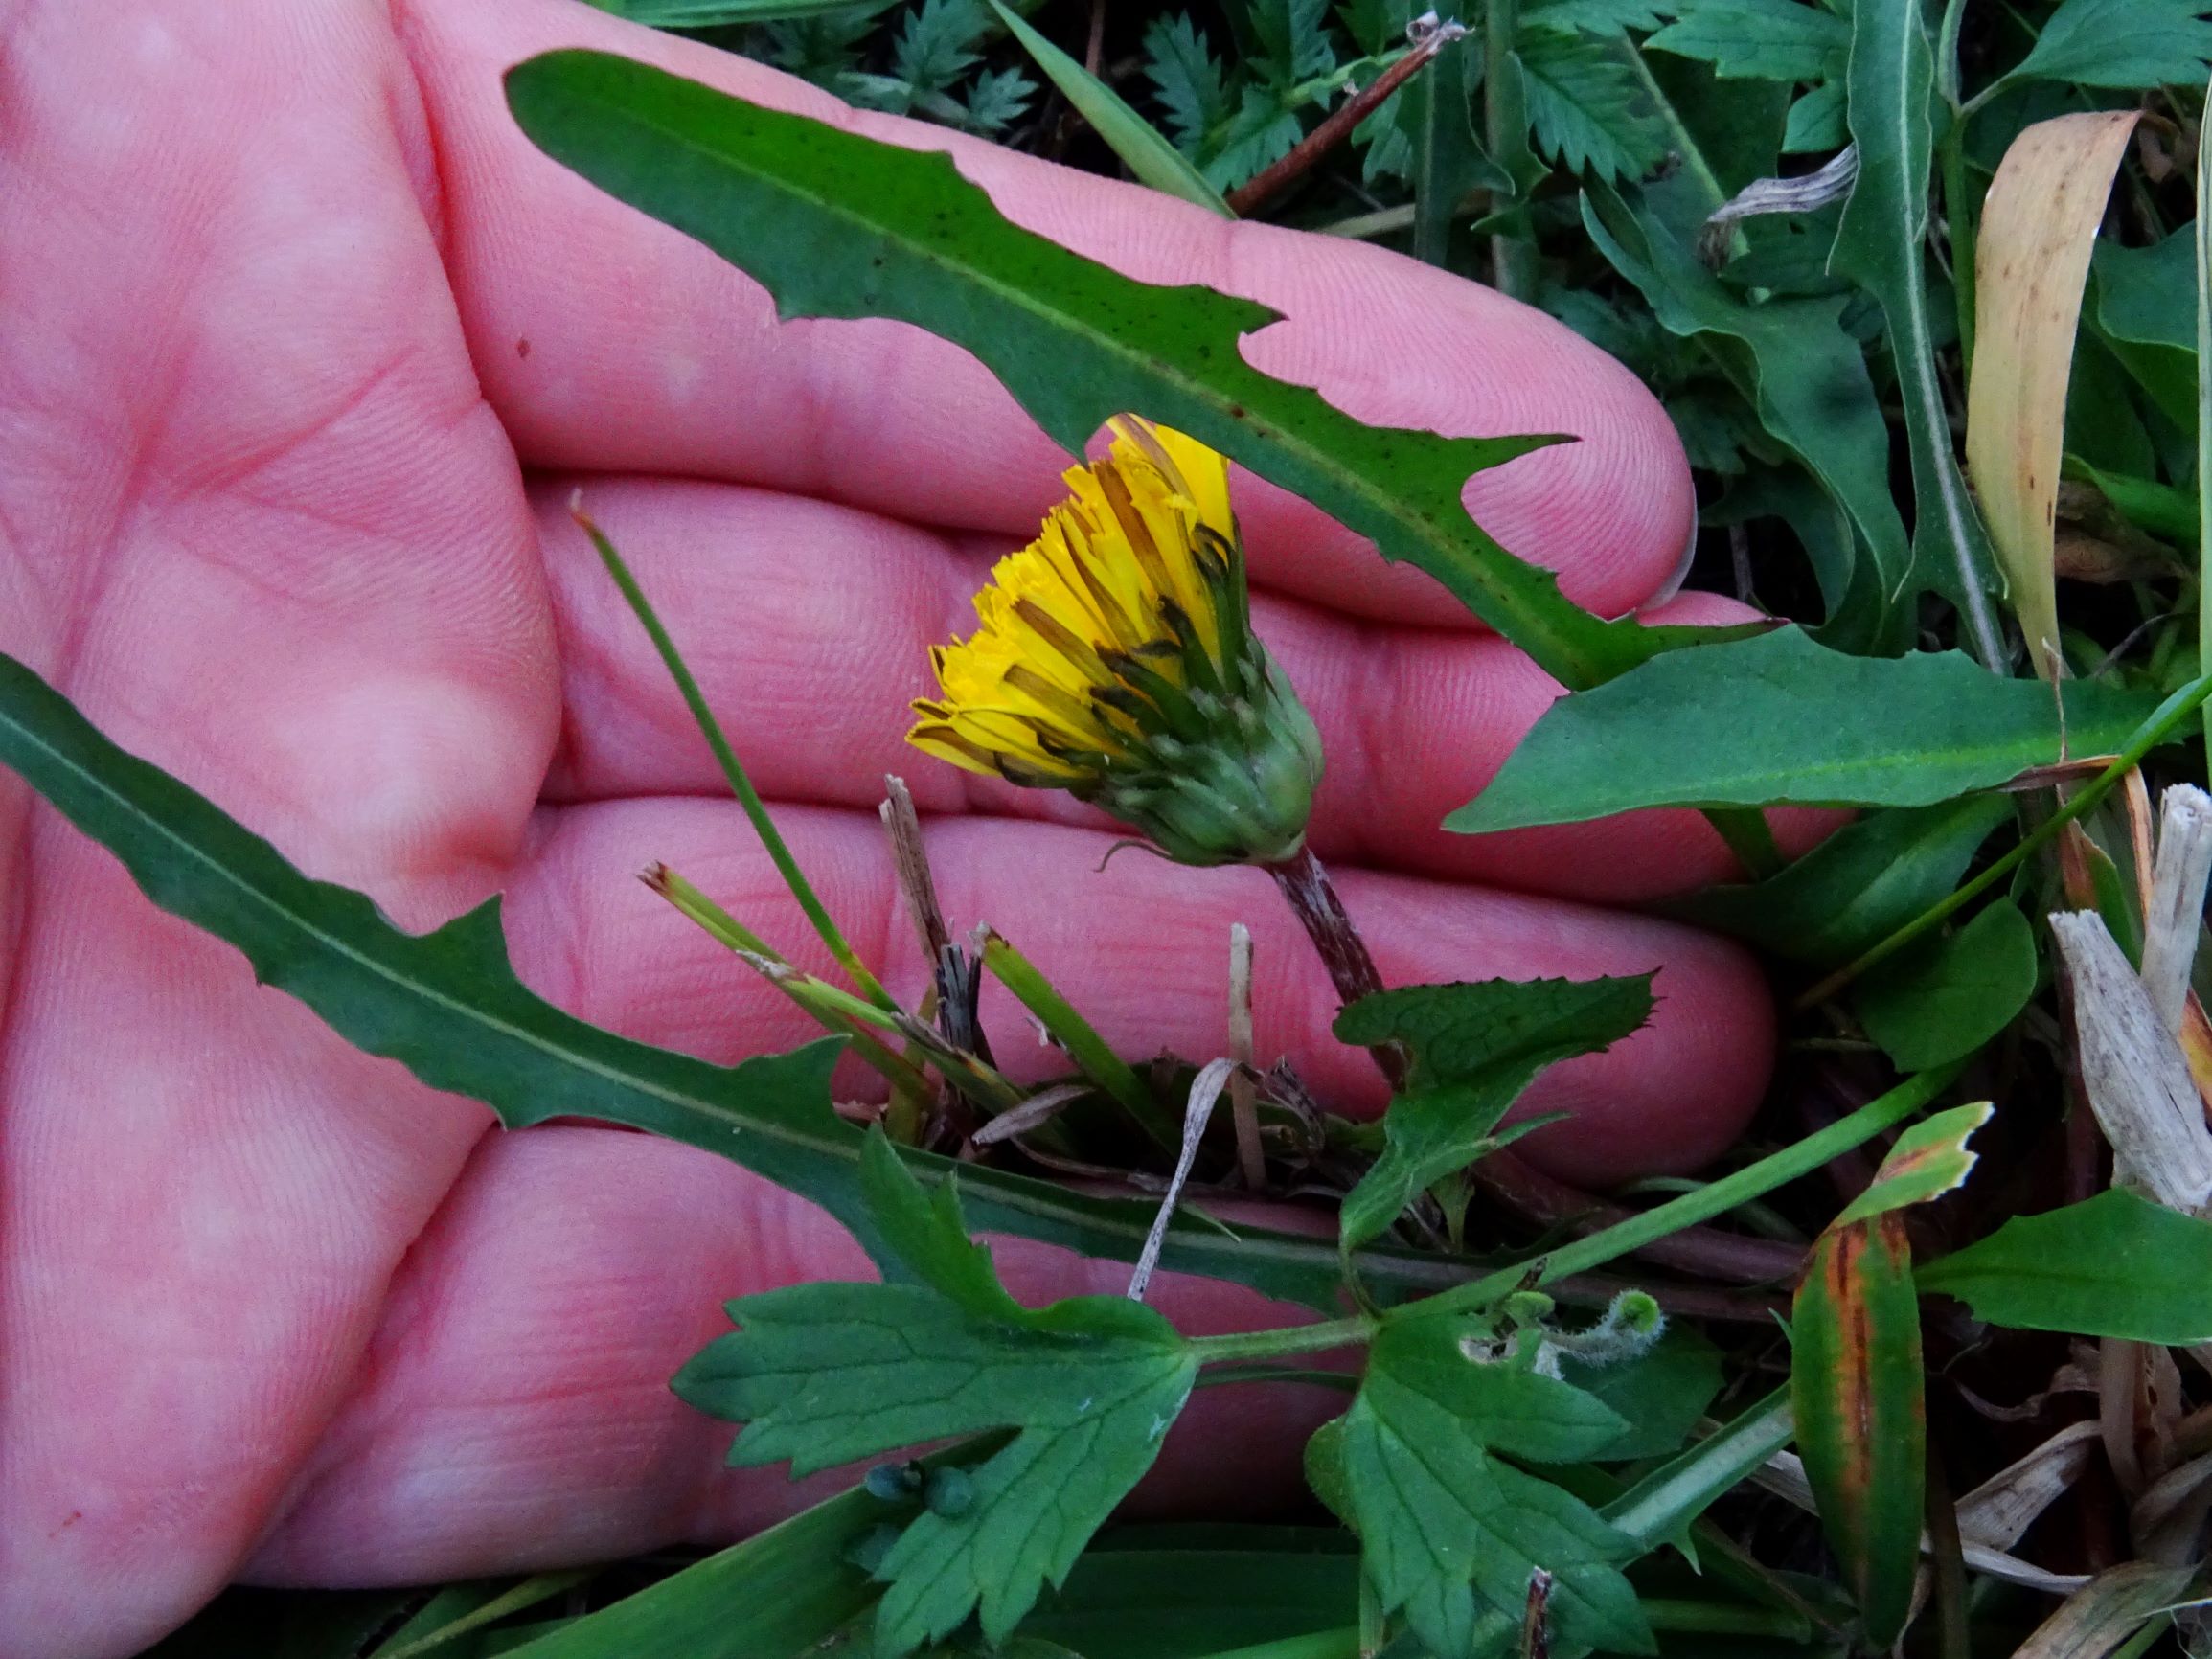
point(1037, 1109)
point(2175, 913)
point(1999, 1512)
point(2132, 1070)
point(1243, 1093)
point(1205, 1090)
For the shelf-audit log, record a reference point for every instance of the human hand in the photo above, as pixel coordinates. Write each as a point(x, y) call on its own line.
point(307, 347)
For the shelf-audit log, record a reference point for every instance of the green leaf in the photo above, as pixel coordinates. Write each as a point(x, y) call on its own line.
point(1855, 1386)
point(460, 1610)
point(1660, 1508)
point(2145, 302)
point(1791, 493)
point(1859, 886)
point(1777, 719)
point(1592, 16)
point(1433, 113)
point(782, 1594)
point(2122, 43)
point(2160, 508)
point(1926, 1161)
point(996, 100)
point(821, 1375)
point(2114, 1265)
point(1186, 79)
point(1584, 106)
point(939, 42)
point(1806, 376)
point(1759, 39)
point(448, 1005)
point(1128, 134)
point(1261, 131)
point(836, 225)
point(1131, 1599)
point(1816, 120)
point(1448, 1529)
point(1943, 1001)
point(1659, 1395)
point(1892, 91)
point(1474, 1049)
point(1293, 38)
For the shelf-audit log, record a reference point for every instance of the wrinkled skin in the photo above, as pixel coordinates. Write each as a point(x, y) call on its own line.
point(306, 349)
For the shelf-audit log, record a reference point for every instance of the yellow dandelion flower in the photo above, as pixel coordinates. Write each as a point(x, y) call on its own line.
point(1116, 661)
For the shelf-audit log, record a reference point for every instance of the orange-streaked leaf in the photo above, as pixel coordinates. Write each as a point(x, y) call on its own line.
point(1929, 1160)
point(1855, 1386)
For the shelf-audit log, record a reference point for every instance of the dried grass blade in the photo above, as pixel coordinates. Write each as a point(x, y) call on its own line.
point(2037, 226)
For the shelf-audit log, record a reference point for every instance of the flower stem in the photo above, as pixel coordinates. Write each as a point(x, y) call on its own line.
point(1352, 969)
point(1290, 1339)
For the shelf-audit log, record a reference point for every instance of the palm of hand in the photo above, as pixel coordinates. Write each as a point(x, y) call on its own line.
point(299, 300)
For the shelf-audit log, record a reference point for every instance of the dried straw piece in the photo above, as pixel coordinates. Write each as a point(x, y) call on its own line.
point(1205, 1089)
point(2138, 1082)
point(2175, 913)
point(1996, 1513)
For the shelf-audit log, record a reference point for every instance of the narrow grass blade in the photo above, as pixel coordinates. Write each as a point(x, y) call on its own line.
point(1142, 146)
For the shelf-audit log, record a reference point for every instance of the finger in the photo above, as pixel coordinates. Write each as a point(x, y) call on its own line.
point(808, 626)
point(636, 350)
point(282, 548)
point(1141, 949)
point(515, 1412)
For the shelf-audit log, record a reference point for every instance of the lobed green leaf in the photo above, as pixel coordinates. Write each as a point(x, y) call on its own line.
point(824, 1374)
point(1448, 1529)
point(1759, 39)
point(1807, 377)
point(2123, 44)
point(1474, 1049)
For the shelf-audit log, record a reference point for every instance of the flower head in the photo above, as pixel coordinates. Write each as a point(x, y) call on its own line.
point(1116, 661)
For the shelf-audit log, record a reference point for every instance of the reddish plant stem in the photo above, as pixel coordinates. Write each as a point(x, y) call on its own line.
point(1352, 969)
point(1506, 1179)
point(1264, 187)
